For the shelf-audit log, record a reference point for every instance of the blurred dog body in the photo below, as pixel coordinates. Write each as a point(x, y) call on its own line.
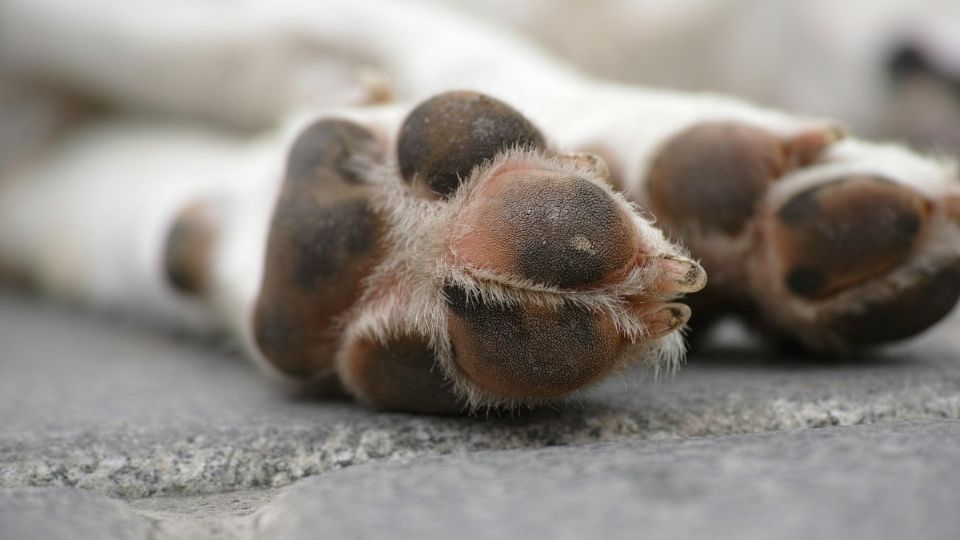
point(202, 100)
point(886, 69)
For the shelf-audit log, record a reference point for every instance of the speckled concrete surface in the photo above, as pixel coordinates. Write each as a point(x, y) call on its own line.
point(896, 480)
point(119, 411)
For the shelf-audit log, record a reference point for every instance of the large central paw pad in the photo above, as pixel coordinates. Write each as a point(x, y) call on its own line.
point(549, 227)
point(845, 232)
point(877, 259)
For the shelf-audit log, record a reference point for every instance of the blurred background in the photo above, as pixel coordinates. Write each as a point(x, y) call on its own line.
point(887, 68)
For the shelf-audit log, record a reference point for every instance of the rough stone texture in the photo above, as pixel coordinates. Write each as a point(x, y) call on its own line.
point(116, 409)
point(867, 482)
point(55, 513)
point(70, 513)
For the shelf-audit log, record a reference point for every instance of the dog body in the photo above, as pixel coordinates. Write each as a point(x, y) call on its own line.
point(194, 224)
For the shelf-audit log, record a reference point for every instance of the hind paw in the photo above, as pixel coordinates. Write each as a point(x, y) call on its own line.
point(833, 243)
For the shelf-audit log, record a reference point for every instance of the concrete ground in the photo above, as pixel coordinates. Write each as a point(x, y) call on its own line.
point(109, 430)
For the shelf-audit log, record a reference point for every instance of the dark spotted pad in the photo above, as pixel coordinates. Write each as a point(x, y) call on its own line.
point(552, 228)
point(188, 248)
point(448, 135)
point(905, 314)
point(529, 352)
point(324, 239)
point(401, 374)
point(711, 177)
point(329, 145)
point(843, 233)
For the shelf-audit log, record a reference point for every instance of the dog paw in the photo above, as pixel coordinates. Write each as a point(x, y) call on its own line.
point(473, 267)
point(833, 243)
point(550, 279)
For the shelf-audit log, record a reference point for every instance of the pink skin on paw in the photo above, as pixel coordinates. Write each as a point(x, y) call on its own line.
point(549, 227)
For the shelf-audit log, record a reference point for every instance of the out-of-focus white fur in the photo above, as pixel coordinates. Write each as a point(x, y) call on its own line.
point(89, 220)
point(252, 63)
point(818, 57)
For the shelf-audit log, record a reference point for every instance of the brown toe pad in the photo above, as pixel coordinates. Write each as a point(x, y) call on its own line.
point(527, 351)
point(401, 374)
point(324, 239)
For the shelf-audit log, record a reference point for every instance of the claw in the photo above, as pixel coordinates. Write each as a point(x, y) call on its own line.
point(680, 274)
point(665, 319)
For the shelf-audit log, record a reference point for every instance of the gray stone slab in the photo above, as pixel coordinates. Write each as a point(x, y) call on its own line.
point(876, 482)
point(870, 482)
point(120, 410)
point(61, 513)
point(37, 513)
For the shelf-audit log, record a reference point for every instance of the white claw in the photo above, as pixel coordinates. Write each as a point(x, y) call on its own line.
point(680, 274)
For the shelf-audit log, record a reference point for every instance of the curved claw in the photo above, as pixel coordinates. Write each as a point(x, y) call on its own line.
point(665, 319)
point(680, 274)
